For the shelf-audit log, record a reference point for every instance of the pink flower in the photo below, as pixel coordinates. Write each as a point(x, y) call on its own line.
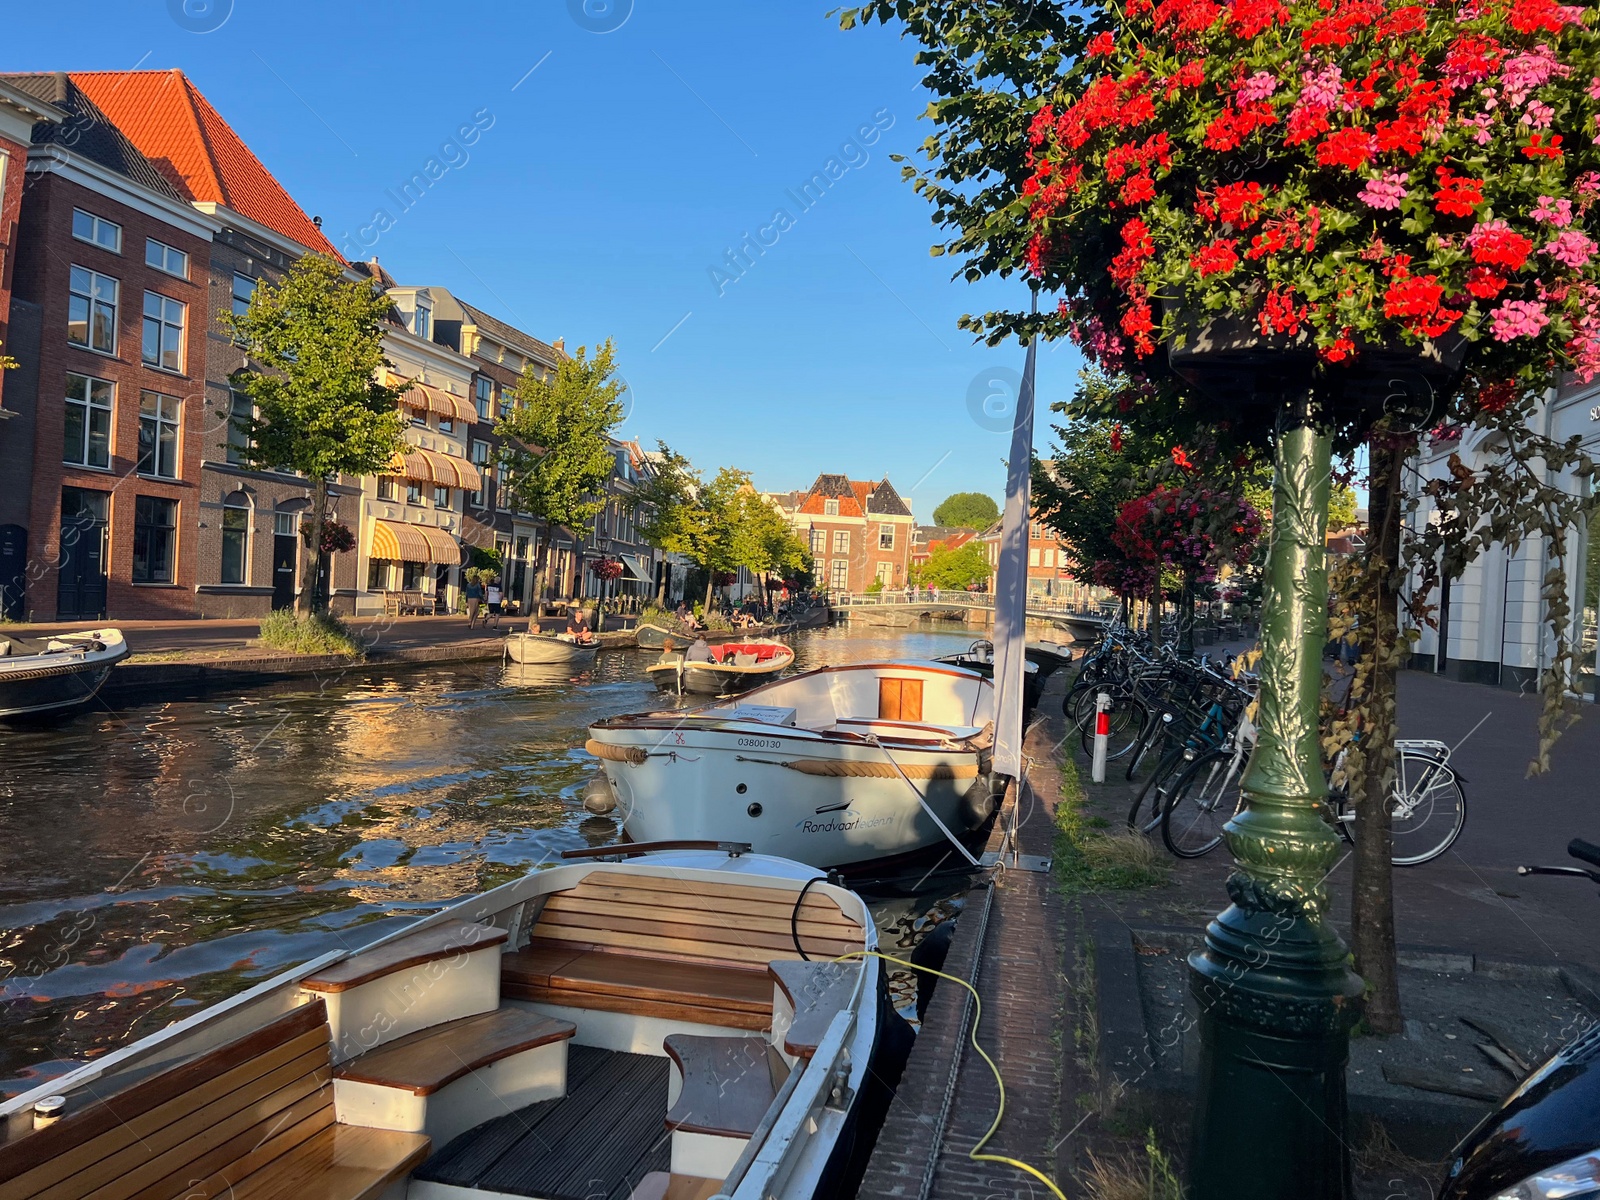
point(1258, 87)
point(1323, 87)
point(1518, 318)
point(1570, 248)
point(1594, 88)
point(1587, 186)
point(1553, 211)
point(1537, 115)
point(1385, 191)
point(1479, 124)
point(1533, 69)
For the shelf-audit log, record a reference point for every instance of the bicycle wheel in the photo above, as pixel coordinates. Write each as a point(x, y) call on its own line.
point(1427, 810)
point(1143, 817)
point(1202, 801)
point(1126, 718)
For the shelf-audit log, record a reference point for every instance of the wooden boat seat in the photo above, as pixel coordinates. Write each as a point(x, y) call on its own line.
point(673, 948)
point(445, 941)
point(658, 1185)
point(816, 992)
point(728, 1083)
point(428, 1060)
point(252, 1120)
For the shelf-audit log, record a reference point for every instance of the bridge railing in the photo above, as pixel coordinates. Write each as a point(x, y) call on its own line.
point(952, 598)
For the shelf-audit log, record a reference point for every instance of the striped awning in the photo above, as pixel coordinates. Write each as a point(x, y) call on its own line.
point(425, 397)
point(414, 543)
point(430, 466)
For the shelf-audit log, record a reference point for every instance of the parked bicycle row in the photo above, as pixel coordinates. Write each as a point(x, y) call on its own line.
point(1185, 724)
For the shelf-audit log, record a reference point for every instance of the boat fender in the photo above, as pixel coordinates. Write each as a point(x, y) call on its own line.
point(599, 797)
point(978, 802)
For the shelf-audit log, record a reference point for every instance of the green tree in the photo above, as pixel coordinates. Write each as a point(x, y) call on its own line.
point(315, 346)
point(967, 510)
point(955, 567)
point(766, 544)
point(1341, 507)
point(555, 449)
point(661, 503)
point(710, 531)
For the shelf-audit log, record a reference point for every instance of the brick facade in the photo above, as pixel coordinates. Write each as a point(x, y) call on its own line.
point(859, 533)
point(48, 251)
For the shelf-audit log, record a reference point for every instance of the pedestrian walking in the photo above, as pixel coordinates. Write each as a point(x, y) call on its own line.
point(474, 601)
point(494, 603)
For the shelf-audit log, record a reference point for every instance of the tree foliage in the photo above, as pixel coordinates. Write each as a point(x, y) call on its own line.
point(967, 510)
point(957, 567)
point(315, 347)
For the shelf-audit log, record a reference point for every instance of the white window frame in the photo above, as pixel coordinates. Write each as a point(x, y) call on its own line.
point(839, 575)
point(163, 322)
point(841, 541)
point(885, 536)
point(483, 397)
point(244, 550)
point(253, 282)
point(90, 407)
point(91, 298)
point(422, 321)
point(97, 224)
point(160, 420)
point(830, 508)
point(237, 438)
point(164, 254)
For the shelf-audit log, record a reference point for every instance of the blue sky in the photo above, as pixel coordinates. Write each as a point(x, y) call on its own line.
point(616, 171)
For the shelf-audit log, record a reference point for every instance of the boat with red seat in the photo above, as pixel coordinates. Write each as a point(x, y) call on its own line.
point(734, 667)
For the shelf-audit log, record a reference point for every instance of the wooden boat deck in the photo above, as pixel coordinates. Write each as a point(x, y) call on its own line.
point(597, 1141)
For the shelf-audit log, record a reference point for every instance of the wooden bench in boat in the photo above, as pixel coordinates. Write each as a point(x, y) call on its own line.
point(658, 1185)
point(250, 1120)
point(727, 1083)
point(672, 948)
point(813, 993)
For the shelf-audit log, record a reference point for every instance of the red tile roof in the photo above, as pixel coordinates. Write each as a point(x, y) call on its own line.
point(174, 126)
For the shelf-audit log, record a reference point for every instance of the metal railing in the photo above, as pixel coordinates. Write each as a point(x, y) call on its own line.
point(951, 598)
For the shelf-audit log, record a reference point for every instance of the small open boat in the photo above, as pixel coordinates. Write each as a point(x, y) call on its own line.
point(654, 637)
point(735, 667)
point(548, 649)
point(1042, 660)
point(832, 767)
point(551, 1038)
point(51, 674)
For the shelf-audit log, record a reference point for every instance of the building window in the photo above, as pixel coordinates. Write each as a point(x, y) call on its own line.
point(240, 409)
point(819, 541)
point(483, 391)
point(92, 310)
point(830, 508)
point(1033, 557)
point(885, 537)
point(841, 574)
point(235, 537)
point(841, 541)
point(285, 524)
point(385, 487)
point(422, 321)
point(410, 576)
point(88, 423)
point(163, 331)
point(87, 227)
point(885, 573)
point(243, 288)
point(413, 492)
point(155, 524)
point(158, 435)
point(441, 497)
point(1049, 558)
point(479, 454)
point(166, 258)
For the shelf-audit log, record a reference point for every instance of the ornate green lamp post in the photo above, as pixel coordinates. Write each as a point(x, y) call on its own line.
point(1276, 997)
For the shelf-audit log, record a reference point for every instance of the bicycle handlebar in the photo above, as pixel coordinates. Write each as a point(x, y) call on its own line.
point(1585, 851)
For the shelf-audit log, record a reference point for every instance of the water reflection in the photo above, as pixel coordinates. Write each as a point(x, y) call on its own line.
point(161, 857)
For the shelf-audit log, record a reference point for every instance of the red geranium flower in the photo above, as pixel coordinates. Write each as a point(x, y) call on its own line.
point(1101, 45)
point(1348, 148)
point(1217, 258)
point(1457, 195)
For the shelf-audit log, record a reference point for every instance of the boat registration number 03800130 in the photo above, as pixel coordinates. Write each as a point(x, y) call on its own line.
point(761, 743)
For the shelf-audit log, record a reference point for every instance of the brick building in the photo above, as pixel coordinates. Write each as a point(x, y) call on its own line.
point(925, 539)
point(1047, 564)
point(115, 258)
point(247, 522)
point(859, 533)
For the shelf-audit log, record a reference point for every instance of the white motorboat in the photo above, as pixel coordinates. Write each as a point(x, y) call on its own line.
point(640, 1028)
point(832, 767)
point(44, 675)
point(548, 649)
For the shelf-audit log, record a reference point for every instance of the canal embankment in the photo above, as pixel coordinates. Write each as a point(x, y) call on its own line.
point(1081, 969)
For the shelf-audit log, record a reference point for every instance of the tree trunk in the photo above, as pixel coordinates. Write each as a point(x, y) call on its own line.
point(1372, 891)
point(311, 552)
point(541, 566)
point(1153, 618)
point(711, 578)
point(664, 577)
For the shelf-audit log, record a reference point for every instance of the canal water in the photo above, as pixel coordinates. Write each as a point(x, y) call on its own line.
point(161, 857)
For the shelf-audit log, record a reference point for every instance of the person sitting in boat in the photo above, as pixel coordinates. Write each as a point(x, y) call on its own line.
point(670, 651)
point(699, 651)
point(578, 627)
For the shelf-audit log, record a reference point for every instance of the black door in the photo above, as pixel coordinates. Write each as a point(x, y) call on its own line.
point(81, 583)
point(13, 570)
point(285, 557)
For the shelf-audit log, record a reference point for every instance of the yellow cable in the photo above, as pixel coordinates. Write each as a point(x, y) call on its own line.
point(977, 1016)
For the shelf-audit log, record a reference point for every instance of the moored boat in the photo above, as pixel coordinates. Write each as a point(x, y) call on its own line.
point(550, 1038)
point(548, 649)
point(833, 767)
point(734, 667)
point(654, 637)
point(39, 676)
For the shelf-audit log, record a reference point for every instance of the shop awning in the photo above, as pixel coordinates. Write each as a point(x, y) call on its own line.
point(637, 567)
point(424, 397)
point(414, 543)
point(430, 466)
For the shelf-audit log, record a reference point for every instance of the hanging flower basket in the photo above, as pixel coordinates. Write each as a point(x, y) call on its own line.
point(1239, 197)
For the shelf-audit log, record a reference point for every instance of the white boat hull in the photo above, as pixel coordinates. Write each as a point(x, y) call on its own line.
point(532, 648)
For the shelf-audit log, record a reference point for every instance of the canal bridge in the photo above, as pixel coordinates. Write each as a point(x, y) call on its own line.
point(894, 606)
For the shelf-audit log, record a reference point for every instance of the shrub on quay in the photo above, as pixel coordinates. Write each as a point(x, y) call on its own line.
point(319, 633)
